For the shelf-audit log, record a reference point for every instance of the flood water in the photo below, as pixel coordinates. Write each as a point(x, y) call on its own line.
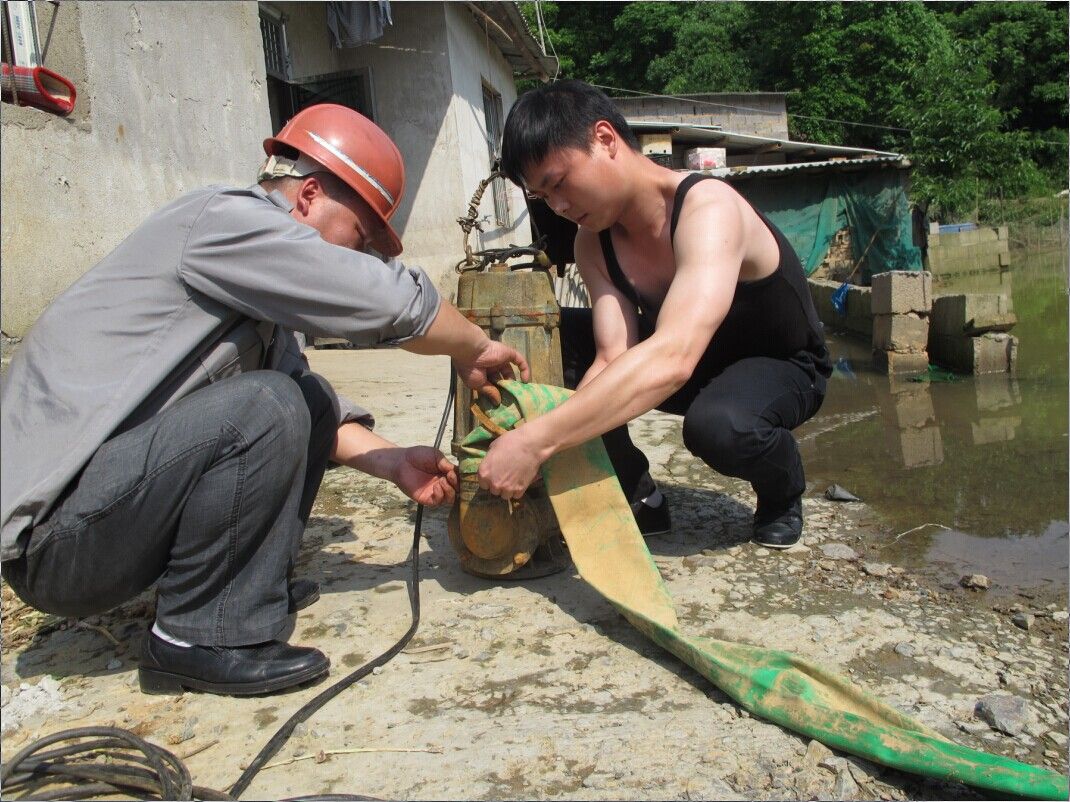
point(985, 456)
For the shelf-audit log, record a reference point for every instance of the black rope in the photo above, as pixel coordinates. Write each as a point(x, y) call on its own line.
point(133, 766)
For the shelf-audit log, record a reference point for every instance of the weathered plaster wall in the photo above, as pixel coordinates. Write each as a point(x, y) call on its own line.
point(426, 75)
point(761, 113)
point(412, 88)
point(161, 109)
point(474, 60)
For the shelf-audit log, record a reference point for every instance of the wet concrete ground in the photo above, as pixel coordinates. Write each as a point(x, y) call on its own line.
point(539, 689)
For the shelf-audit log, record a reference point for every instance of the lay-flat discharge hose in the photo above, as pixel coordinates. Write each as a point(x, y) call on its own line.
point(609, 553)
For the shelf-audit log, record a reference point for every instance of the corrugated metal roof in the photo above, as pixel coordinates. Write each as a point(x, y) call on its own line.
point(837, 165)
point(506, 26)
point(741, 144)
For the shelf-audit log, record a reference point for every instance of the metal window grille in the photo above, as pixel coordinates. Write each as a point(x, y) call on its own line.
point(274, 37)
point(346, 89)
point(492, 112)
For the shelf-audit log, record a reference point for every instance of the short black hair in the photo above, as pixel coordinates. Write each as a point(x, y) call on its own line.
point(555, 116)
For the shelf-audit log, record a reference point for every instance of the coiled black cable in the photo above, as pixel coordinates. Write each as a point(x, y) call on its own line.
point(158, 772)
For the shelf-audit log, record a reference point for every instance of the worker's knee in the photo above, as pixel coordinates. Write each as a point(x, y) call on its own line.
point(270, 406)
point(319, 399)
point(722, 435)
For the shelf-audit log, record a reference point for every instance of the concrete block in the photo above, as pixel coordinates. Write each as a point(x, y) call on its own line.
point(1002, 233)
point(899, 362)
point(656, 144)
point(997, 392)
point(857, 320)
point(900, 332)
point(994, 352)
point(994, 430)
point(1004, 259)
point(912, 408)
point(902, 291)
point(972, 314)
point(821, 291)
point(921, 447)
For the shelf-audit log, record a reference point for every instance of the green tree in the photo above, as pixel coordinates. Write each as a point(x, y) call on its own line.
point(975, 93)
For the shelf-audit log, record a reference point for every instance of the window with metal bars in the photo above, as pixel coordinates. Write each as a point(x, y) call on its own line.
point(274, 35)
point(492, 112)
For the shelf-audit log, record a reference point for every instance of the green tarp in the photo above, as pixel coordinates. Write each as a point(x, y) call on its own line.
point(810, 208)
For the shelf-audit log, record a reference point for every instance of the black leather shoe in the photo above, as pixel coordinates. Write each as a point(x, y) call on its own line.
point(303, 593)
point(237, 671)
point(778, 528)
point(652, 521)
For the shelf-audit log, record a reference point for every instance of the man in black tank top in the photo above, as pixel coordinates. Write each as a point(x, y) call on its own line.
point(699, 307)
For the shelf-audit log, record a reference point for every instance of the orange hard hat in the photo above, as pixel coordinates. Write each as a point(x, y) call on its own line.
point(355, 149)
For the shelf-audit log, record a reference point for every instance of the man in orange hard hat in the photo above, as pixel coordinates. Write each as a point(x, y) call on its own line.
point(160, 422)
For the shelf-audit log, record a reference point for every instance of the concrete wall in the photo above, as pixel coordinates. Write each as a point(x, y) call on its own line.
point(409, 73)
point(426, 75)
point(762, 114)
point(985, 248)
point(475, 60)
point(159, 112)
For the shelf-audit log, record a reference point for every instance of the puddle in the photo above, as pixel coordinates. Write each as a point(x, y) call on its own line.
point(984, 456)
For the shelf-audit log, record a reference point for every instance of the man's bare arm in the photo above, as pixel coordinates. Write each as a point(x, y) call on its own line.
point(616, 327)
point(709, 251)
point(479, 359)
point(421, 472)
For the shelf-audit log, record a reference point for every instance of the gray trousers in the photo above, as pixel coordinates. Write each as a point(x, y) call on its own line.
point(208, 499)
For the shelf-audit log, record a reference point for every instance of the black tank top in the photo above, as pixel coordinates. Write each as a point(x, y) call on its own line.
point(773, 316)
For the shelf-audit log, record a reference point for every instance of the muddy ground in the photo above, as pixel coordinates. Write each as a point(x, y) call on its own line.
point(540, 689)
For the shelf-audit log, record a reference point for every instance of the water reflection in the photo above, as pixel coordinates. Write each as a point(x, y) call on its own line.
point(985, 456)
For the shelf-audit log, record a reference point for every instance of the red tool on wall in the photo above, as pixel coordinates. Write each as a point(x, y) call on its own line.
point(24, 79)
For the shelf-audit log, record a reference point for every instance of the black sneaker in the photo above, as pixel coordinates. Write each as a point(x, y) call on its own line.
point(303, 593)
point(237, 671)
point(778, 528)
point(652, 521)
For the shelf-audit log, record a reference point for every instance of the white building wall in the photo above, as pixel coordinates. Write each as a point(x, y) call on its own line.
point(412, 87)
point(474, 59)
point(161, 110)
point(426, 75)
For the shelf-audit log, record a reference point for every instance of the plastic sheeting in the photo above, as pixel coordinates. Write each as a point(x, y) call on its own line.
point(811, 207)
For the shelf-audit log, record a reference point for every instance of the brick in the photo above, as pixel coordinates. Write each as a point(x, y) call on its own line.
point(994, 352)
point(972, 314)
point(900, 332)
point(902, 291)
point(899, 362)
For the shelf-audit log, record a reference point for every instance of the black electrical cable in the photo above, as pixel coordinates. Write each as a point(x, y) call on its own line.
point(158, 771)
point(286, 730)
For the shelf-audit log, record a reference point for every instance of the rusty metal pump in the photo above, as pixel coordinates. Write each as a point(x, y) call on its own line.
point(513, 303)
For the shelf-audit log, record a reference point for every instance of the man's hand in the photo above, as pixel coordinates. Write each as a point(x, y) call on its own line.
point(511, 464)
point(491, 364)
point(426, 476)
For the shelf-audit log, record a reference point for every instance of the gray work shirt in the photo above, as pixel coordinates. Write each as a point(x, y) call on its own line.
point(212, 284)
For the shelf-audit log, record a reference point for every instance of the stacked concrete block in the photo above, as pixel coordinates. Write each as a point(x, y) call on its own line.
point(910, 426)
point(998, 399)
point(968, 333)
point(985, 248)
point(900, 304)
